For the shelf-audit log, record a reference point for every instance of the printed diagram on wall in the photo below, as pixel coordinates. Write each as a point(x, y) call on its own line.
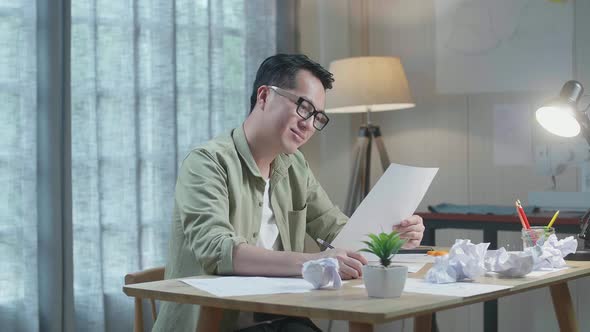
point(503, 45)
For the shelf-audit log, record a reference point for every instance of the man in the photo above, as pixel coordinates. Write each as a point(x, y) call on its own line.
point(245, 202)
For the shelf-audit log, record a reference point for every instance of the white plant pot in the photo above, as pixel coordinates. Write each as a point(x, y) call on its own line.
point(384, 282)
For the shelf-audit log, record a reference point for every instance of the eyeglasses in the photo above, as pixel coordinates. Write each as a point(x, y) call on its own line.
point(305, 108)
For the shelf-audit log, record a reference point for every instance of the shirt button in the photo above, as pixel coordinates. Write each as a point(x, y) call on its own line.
point(260, 204)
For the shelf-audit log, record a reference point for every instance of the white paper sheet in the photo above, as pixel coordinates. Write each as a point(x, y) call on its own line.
point(534, 274)
point(393, 198)
point(413, 258)
point(458, 289)
point(240, 286)
point(545, 271)
point(414, 262)
point(412, 267)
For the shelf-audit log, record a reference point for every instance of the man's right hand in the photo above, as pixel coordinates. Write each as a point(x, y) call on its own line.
point(350, 262)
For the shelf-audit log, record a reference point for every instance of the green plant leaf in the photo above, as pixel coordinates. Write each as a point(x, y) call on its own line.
point(374, 238)
point(384, 246)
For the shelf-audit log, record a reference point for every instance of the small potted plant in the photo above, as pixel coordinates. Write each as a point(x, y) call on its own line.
point(384, 280)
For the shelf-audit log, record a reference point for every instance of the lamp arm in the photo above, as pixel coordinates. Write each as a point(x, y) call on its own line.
point(584, 120)
point(584, 229)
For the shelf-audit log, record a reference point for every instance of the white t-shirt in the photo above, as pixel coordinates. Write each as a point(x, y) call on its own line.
point(267, 239)
point(268, 234)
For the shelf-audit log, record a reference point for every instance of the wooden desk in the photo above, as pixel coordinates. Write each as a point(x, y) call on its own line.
point(352, 304)
point(490, 225)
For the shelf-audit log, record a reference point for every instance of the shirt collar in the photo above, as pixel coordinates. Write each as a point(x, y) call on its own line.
point(279, 166)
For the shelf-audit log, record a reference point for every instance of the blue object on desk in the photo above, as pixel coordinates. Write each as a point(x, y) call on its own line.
point(479, 209)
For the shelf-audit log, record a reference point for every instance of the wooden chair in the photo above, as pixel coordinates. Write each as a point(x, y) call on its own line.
point(148, 275)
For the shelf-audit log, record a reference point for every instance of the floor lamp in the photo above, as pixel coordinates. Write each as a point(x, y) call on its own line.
point(367, 85)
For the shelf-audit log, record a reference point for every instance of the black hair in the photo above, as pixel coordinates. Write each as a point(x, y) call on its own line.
point(280, 70)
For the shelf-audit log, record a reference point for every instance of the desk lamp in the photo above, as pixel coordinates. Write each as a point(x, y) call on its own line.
point(562, 117)
point(365, 85)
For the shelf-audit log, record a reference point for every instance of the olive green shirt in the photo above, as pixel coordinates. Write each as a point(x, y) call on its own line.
point(218, 205)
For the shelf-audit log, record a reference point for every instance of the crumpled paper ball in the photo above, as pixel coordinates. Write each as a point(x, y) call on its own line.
point(321, 272)
point(468, 259)
point(509, 264)
point(550, 253)
point(464, 261)
point(441, 272)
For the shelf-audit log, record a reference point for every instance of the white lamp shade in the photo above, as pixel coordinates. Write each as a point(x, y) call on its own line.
point(362, 83)
point(558, 120)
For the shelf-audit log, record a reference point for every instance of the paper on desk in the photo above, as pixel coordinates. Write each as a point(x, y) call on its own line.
point(534, 274)
point(413, 258)
point(458, 289)
point(395, 197)
point(414, 262)
point(461, 289)
point(412, 267)
point(546, 270)
point(240, 286)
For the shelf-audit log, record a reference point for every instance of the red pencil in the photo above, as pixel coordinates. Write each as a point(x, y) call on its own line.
point(524, 218)
point(520, 217)
point(521, 211)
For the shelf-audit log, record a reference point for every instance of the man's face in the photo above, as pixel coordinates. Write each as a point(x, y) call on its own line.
point(290, 129)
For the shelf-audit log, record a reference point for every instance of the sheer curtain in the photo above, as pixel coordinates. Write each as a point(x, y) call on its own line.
point(19, 297)
point(149, 80)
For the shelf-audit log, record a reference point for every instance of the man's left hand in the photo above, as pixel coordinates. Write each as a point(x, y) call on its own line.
point(411, 229)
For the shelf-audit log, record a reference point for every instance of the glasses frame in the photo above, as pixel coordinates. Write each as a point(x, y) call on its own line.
point(298, 100)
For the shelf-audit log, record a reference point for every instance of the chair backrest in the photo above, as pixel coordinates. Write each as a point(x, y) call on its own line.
point(148, 275)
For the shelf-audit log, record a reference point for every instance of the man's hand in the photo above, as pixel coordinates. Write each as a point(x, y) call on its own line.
point(411, 229)
point(350, 262)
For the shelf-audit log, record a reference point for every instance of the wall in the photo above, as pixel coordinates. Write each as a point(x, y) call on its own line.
point(453, 132)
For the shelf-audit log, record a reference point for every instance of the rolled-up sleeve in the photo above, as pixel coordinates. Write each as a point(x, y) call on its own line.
point(203, 204)
point(324, 219)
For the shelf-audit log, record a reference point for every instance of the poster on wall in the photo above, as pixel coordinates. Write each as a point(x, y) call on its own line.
point(503, 45)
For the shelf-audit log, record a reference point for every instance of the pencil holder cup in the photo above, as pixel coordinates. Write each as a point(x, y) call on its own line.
point(535, 235)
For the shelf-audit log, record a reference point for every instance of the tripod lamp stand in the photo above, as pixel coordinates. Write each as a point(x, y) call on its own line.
point(367, 85)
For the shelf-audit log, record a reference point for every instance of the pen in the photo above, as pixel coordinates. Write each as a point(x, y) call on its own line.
point(324, 243)
point(553, 219)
